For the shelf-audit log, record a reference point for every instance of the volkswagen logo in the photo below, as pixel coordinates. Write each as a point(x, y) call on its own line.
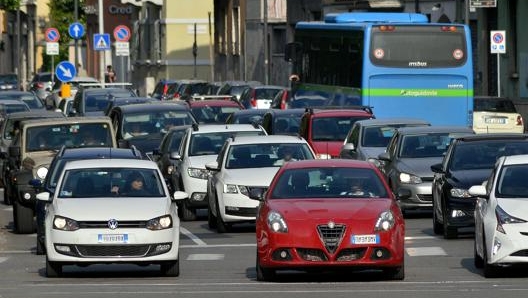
point(331, 224)
point(112, 224)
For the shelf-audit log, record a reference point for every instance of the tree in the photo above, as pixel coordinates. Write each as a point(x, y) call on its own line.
point(61, 17)
point(9, 4)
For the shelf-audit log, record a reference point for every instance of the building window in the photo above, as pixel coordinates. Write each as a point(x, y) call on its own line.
point(278, 40)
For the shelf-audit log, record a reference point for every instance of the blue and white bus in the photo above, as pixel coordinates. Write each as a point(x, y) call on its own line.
point(397, 63)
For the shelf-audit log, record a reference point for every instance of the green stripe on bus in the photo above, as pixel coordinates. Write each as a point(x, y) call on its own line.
point(422, 92)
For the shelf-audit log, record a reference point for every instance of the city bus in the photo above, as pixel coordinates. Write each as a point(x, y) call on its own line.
point(399, 64)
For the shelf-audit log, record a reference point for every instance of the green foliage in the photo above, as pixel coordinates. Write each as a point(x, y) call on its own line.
point(9, 4)
point(61, 16)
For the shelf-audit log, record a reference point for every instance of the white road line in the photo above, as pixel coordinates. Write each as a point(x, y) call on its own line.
point(3, 259)
point(425, 251)
point(205, 257)
point(191, 236)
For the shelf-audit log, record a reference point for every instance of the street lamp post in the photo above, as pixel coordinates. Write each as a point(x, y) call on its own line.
point(101, 53)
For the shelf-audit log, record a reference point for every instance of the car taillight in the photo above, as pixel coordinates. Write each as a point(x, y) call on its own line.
point(520, 120)
point(176, 95)
point(283, 101)
point(39, 85)
point(254, 98)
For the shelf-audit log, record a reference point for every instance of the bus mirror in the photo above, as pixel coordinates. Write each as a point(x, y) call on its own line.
point(293, 51)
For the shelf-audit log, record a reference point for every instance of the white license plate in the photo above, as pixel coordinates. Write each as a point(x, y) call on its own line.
point(112, 238)
point(496, 120)
point(365, 239)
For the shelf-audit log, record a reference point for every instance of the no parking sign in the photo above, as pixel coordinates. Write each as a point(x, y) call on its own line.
point(498, 42)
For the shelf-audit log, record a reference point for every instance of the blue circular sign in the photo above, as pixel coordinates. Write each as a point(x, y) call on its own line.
point(65, 71)
point(76, 30)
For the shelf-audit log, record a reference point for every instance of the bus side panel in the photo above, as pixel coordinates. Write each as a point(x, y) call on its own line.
point(439, 99)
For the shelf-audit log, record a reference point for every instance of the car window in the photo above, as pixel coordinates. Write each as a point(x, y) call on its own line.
point(54, 136)
point(211, 143)
point(333, 128)
point(494, 105)
point(483, 155)
point(264, 155)
point(143, 124)
point(512, 181)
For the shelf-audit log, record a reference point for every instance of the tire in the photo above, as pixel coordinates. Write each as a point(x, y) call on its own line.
point(264, 274)
point(211, 218)
point(187, 213)
point(396, 273)
point(438, 228)
point(221, 226)
point(23, 218)
point(41, 247)
point(490, 271)
point(477, 260)
point(171, 268)
point(53, 269)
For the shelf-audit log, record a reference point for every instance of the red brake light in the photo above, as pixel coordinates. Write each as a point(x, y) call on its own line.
point(176, 95)
point(254, 98)
point(387, 28)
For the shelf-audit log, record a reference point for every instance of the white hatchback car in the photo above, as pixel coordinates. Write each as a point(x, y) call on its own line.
point(501, 216)
point(245, 164)
point(99, 214)
point(200, 145)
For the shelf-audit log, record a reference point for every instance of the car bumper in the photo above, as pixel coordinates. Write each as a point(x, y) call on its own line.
point(197, 190)
point(421, 196)
point(460, 213)
point(237, 207)
point(85, 246)
point(507, 249)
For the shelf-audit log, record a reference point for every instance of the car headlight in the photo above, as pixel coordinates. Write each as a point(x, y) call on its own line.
point(505, 218)
point(243, 190)
point(230, 188)
point(459, 193)
point(42, 172)
point(277, 223)
point(65, 224)
point(170, 169)
point(409, 178)
point(160, 223)
point(198, 173)
point(385, 221)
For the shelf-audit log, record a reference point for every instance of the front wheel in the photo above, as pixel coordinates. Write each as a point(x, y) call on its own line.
point(438, 228)
point(397, 273)
point(221, 226)
point(23, 217)
point(53, 269)
point(264, 274)
point(188, 214)
point(171, 268)
point(477, 260)
point(211, 218)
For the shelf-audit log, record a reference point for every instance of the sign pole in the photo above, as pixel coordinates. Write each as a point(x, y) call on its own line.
point(122, 70)
point(101, 53)
point(498, 76)
point(52, 71)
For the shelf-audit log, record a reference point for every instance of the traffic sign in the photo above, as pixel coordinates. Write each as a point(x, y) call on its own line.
point(52, 35)
point(101, 42)
point(498, 42)
point(52, 48)
point(76, 30)
point(122, 48)
point(65, 71)
point(122, 33)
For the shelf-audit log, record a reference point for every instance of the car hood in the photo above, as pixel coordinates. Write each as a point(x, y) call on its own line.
point(335, 209)
point(468, 178)
point(200, 160)
point(372, 152)
point(251, 176)
point(418, 166)
point(516, 207)
point(120, 208)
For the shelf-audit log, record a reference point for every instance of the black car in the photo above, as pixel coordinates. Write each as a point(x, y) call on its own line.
point(57, 164)
point(246, 116)
point(468, 161)
point(143, 125)
point(122, 101)
point(32, 100)
point(94, 101)
point(161, 88)
point(9, 81)
point(282, 122)
point(166, 155)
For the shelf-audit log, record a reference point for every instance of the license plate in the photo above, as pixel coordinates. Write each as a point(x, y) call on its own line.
point(112, 238)
point(365, 239)
point(496, 120)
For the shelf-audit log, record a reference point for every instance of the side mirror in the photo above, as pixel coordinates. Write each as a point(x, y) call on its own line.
point(349, 147)
point(212, 166)
point(437, 168)
point(44, 196)
point(478, 191)
point(175, 155)
point(179, 195)
point(384, 156)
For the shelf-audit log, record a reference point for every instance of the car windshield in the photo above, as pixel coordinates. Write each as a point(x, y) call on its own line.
point(211, 114)
point(211, 143)
point(425, 145)
point(13, 108)
point(380, 136)
point(333, 128)
point(154, 122)
point(8, 79)
point(54, 136)
point(266, 155)
point(98, 101)
point(331, 182)
point(101, 183)
point(483, 155)
point(512, 181)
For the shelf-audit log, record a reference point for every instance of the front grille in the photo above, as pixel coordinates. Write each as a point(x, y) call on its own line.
point(351, 254)
point(104, 224)
point(312, 255)
point(427, 198)
point(520, 253)
point(239, 211)
point(331, 237)
point(88, 251)
point(427, 179)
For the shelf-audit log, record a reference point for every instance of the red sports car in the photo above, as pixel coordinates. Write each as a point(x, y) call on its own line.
point(323, 214)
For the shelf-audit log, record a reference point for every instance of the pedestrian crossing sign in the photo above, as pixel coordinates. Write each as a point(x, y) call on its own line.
point(101, 42)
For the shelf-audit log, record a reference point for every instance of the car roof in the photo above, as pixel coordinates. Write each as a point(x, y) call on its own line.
point(67, 120)
point(17, 92)
point(296, 111)
point(111, 163)
point(213, 102)
point(250, 112)
point(516, 159)
point(98, 152)
point(35, 113)
point(434, 129)
point(246, 140)
point(344, 111)
point(210, 128)
point(321, 163)
point(389, 121)
point(153, 106)
point(12, 102)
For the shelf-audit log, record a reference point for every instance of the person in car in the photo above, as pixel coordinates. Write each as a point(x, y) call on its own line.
point(135, 186)
point(285, 154)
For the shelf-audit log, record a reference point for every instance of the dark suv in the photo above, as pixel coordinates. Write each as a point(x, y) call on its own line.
point(57, 164)
point(467, 162)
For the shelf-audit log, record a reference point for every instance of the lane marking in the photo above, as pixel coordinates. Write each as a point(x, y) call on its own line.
point(191, 236)
point(205, 257)
point(425, 251)
point(3, 259)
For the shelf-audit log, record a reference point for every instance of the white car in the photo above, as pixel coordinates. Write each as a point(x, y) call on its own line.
point(501, 216)
point(243, 165)
point(496, 115)
point(199, 146)
point(93, 217)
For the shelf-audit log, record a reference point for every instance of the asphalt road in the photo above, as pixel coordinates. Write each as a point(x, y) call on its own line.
point(223, 265)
